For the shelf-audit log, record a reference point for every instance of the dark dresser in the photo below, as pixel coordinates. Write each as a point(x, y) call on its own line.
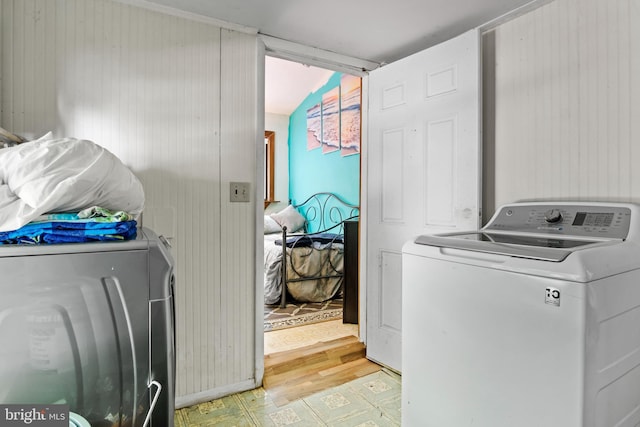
point(350, 294)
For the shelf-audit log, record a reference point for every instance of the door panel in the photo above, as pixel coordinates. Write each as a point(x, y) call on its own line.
point(423, 170)
point(392, 160)
point(391, 292)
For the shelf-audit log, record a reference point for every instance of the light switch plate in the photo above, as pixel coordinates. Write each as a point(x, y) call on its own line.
point(239, 191)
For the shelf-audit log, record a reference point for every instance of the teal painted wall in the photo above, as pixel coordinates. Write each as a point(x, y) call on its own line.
point(312, 171)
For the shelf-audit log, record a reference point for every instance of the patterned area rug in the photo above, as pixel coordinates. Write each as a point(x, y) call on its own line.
point(301, 314)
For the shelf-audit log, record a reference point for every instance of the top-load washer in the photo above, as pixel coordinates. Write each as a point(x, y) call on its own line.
point(533, 320)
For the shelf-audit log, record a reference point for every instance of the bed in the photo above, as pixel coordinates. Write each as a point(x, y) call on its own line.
point(313, 237)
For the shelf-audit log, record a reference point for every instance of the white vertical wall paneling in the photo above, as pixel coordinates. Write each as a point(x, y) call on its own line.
point(634, 92)
point(2, 49)
point(543, 112)
point(567, 79)
point(593, 105)
point(146, 86)
point(583, 100)
point(611, 89)
point(624, 104)
point(259, 211)
point(565, 59)
point(238, 148)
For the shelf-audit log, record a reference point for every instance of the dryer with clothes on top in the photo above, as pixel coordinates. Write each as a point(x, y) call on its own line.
point(89, 328)
point(533, 320)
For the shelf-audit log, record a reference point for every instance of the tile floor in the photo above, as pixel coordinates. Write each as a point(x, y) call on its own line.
point(373, 400)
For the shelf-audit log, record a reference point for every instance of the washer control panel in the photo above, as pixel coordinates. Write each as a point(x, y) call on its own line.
point(602, 221)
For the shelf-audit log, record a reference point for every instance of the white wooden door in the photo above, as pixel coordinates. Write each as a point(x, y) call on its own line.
point(423, 170)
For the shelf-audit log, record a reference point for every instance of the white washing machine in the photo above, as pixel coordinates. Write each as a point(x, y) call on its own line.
point(534, 320)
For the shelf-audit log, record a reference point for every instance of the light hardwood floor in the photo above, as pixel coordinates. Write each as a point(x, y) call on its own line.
point(294, 374)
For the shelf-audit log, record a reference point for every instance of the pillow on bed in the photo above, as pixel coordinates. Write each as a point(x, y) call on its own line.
point(271, 226)
point(289, 217)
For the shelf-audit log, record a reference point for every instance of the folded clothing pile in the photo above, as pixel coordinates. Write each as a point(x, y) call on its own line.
point(63, 190)
point(89, 225)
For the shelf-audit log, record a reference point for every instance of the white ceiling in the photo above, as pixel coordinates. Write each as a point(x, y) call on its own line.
point(288, 83)
point(380, 31)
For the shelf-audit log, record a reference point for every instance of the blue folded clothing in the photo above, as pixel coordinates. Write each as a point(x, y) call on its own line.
point(307, 240)
point(69, 232)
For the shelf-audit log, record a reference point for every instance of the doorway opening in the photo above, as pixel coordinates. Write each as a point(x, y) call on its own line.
point(295, 95)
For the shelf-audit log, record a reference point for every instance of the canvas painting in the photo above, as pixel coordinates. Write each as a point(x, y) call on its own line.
point(350, 115)
point(314, 127)
point(331, 121)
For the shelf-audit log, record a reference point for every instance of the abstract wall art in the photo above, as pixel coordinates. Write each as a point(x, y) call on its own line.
point(314, 127)
point(331, 121)
point(350, 88)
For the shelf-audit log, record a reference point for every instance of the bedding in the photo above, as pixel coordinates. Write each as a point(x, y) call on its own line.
point(271, 226)
point(318, 262)
point(310, 259)
point(51, 175)
point(289, 217)
point(272, 269)
point(315, 239)
point(314, 255)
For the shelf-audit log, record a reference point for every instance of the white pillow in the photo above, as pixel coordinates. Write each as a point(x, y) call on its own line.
point(271, 226)
point(289, 217)
point(63, 175)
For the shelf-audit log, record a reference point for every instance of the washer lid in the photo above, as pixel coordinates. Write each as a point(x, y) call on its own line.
point(545, 248)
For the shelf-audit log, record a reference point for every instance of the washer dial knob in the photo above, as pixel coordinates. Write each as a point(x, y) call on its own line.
point(553, 215)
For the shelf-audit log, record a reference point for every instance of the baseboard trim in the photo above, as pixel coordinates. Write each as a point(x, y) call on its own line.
point(216, 393)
